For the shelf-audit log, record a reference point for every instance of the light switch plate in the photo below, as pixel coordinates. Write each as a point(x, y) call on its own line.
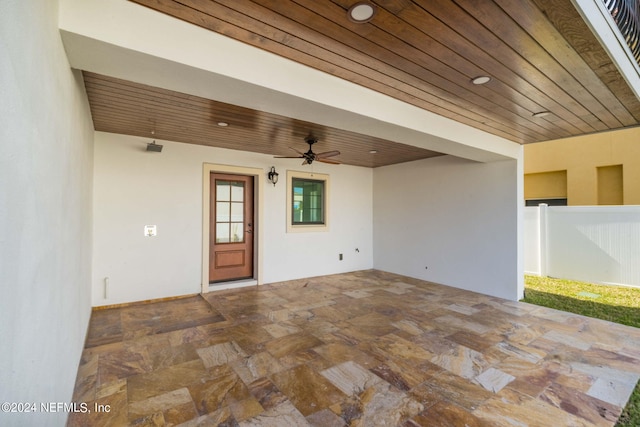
point(150, 231)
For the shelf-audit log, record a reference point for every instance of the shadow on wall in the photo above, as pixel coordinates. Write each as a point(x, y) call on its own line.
point(614, 313)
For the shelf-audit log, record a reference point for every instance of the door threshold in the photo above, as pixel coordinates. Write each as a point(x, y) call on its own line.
point(232, 284)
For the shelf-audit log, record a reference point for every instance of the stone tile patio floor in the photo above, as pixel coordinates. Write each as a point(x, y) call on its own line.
point(366, 348)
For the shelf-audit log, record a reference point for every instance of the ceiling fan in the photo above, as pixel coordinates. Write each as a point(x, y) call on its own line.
point(309, 157)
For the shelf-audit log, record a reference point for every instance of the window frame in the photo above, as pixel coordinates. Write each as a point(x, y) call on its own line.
point(311, 176)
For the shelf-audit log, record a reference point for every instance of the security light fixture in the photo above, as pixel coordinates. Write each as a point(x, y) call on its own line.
point(154, 147)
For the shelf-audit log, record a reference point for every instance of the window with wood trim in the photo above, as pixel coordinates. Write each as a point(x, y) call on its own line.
point(307, 201)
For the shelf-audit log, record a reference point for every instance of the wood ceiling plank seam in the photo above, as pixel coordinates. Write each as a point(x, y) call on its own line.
point(379, 30)
point(505, 76)
point(403, 81)
point(203, 116)
point(186, 136)
point(149, 102)
point(568, 22)
point(358, 160)
point(241, 34)
point(532, 20)
point(176, 113)
point(136, 109)
point(174, 98)
point(492, 17)
point(284, 36)
point(160, 125)
point(442, 109)
point(517, 102)
point(158, 112)
point(493, 103)
point(273, 120)
point(179, 126)
point(243, 134)
point(528, 91)
point(367, 82)
point(159, 94)
point(478, 37)
point(129, 126)
point(133, 109)
point(120, 84)
point(356, 144)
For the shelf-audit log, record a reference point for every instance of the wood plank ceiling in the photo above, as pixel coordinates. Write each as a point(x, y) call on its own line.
point(540, 55)
point(129, 108)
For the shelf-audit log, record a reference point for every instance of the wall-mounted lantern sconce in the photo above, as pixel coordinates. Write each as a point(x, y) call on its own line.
point(273, 176)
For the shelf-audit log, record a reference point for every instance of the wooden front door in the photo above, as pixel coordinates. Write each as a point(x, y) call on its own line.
point(231, 227)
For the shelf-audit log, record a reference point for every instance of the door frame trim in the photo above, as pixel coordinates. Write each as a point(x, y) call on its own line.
point(258, 176)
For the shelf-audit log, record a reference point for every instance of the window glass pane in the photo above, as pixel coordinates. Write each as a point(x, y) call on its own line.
point(237, 212)
point(223, 191)
point(237, 191)
point(222, 211)
point(222, 232)
point(308, 201)
point(237, 232)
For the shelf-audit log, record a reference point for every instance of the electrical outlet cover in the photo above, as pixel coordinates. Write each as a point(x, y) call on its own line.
point(150, 231)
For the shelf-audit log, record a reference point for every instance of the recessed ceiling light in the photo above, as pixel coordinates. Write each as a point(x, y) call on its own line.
point(480, 80)
point(361, 12)
point(541, 114)
point(373, 151)
point(223, 124)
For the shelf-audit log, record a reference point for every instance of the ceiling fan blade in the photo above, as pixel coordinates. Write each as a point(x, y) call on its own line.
point(332, 162)
point(287, 157)
point(328, 154)
point(299, 152)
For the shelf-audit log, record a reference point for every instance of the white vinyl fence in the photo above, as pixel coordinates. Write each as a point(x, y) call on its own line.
point(597, 244)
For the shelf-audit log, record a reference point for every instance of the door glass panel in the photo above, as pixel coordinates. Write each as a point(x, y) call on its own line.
point(237, 191)
point(237, 232)
point(222, 211)
point(223, 191)
point(222, 232)
point(229, 212)
point(237, 212)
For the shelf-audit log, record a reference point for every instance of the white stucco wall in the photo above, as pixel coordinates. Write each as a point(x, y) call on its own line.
point(134, 188)
point(45, 213)
point(450, 221)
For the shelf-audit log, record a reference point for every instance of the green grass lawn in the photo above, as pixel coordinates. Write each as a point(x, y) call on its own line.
point(613, 303)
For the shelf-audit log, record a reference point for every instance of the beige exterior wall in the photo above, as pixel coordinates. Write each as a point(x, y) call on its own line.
point(587, 160)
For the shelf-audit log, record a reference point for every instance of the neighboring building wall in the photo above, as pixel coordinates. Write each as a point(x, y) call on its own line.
point(598, 169)
point(134, 188)
point(46, 148)
point(450, 221)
